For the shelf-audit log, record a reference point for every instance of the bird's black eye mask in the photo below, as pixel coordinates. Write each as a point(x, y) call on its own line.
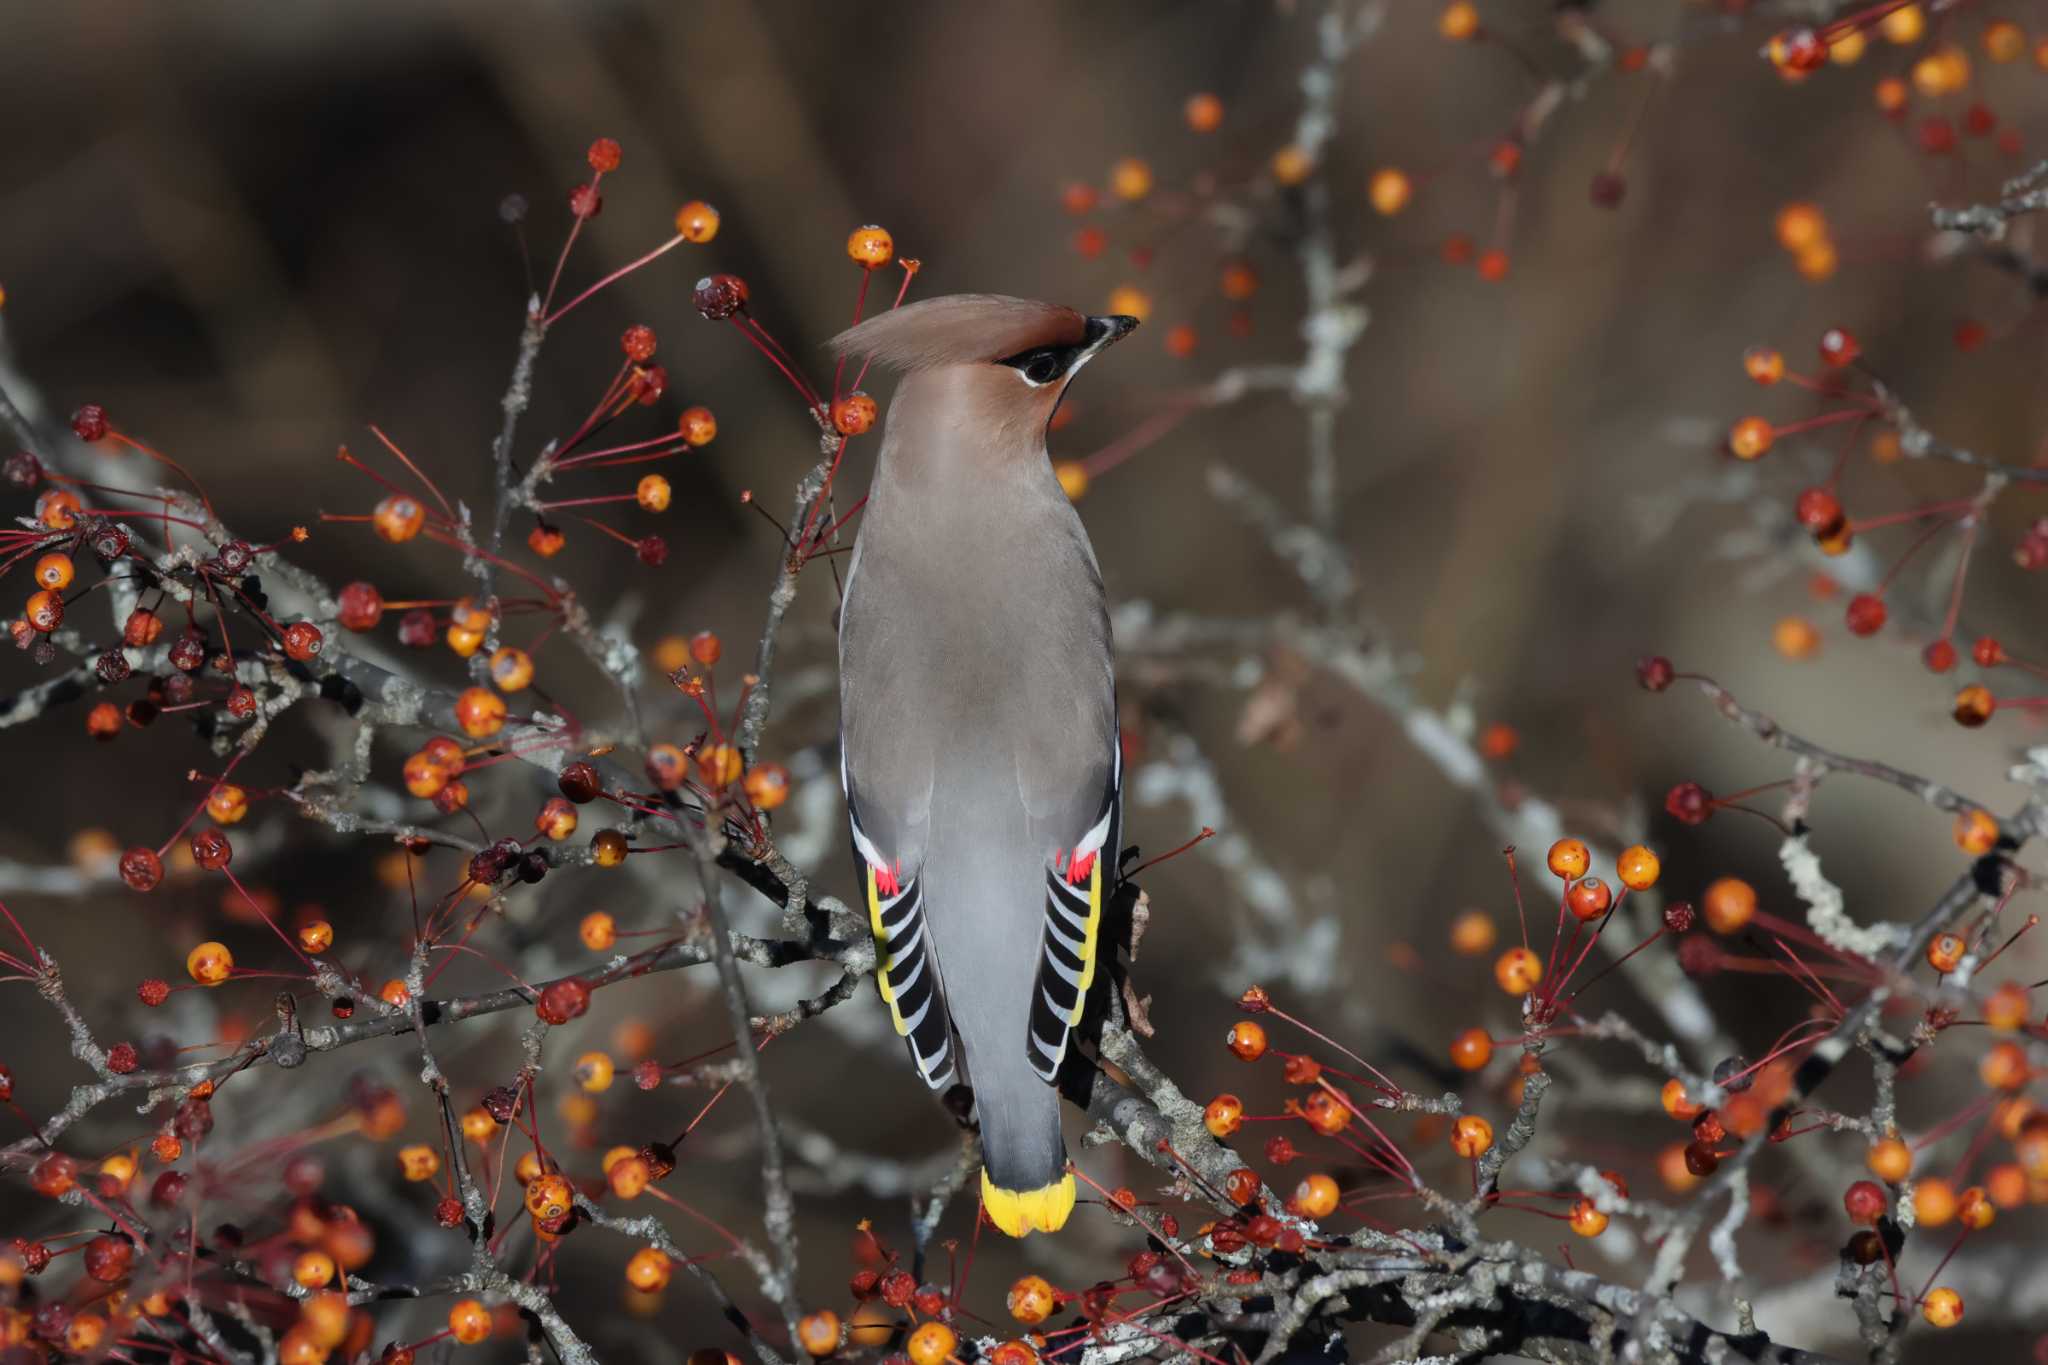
point(1041, 365)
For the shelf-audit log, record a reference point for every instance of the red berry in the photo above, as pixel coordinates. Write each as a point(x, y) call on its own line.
point(211, 850)
point(603, 155)
point(1819, 511)
point(122, 1058)
point(1837, 347)
point(89, 423)
point(718, 297)
point(1689, 803)
point(1655, 673)
point(142, 869)
point(153, 992)
point(1866, 614)
point(563, 1000)
point(1987, 651)
point(302, 641)
point(360, 606)
point(1937, 135)
point(1865, 1201)
point(585, 201)
point(638, 344)
point(1939, 656)
point(652, 550)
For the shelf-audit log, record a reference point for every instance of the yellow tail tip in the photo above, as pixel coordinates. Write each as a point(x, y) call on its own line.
point(1019, 1212)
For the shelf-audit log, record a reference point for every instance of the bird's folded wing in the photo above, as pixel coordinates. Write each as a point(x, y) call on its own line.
point(905, 966)
point(1075, 887)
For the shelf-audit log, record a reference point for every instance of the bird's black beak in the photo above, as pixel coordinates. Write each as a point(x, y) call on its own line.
point(1108, 329)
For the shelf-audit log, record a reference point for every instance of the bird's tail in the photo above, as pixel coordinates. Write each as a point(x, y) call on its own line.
point(985, 919)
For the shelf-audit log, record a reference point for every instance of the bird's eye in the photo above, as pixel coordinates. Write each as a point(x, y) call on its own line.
point(1041, 366)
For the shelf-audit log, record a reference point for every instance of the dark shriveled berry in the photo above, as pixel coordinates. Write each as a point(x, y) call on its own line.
point(580, 782)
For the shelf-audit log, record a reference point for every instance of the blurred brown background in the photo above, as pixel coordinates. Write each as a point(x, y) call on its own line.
point(250, 230)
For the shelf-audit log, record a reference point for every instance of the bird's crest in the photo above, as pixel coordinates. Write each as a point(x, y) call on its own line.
point(960, 329)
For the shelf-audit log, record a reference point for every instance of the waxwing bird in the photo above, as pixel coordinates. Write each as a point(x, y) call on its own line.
point(977, 720)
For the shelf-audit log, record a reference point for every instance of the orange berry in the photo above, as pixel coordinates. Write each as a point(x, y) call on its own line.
point(1471, 1135)
point(1031, 1300)
point(1800, 225)
point(1763, 365)
point(1458, 21)
point(44, 611)
point(1223, 1116)
point(2006, 1184)
point(556, 818)
point(1817, 262)
point(2004, 41)
point(652, 493)
point(1518, 971)
point(1390, 191)
point(1569, 859)
point(1942, 1307)
point(608, 847)
point(1974, 705)
point(1586, 1219)
point(478, 1125)
point(649, 1269)
point(870, 247)
point(2004, 1066)
point(1316, 1196)
point(767, 786)
point(210, 963)
point(853, 414)
point(1180, 341)
point(1073, 477)
point(546, 541)
point(1728, 904)
point(549, 1197)
point(1891, 95)
point(697, 222)
point(227, 804)
point(1974, 1208)
point(1204, 112)
point(1292, 164)
point(1247, 1039)
point(398, 518)
point(1130, 179)
point(479, 713)
point(1890, 1160)
point(1638, 868)
point(2005, 1009)
point(1976, 832)
point(419, 1162)
point(1239, 281)
point(1945, 952)
point(719, 766)
point(54, 571)
point(424, 777)
point(1677, 1103)
point(469, 1321)
point(1795, 637)
point(1130, 301)
point(1904, 26)
point(1325, 1113)
point(1671, 1168)
point(1472, 933)
point(1493, 265)
point(629, 1176)
point(57, 509)
point(697, 426)
point(313, 1269)
point(1934, 1202)
point(1471, 1050)
point(931, 1343)
point(316, 936)
point(818, 1333)
point(1750, 438)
